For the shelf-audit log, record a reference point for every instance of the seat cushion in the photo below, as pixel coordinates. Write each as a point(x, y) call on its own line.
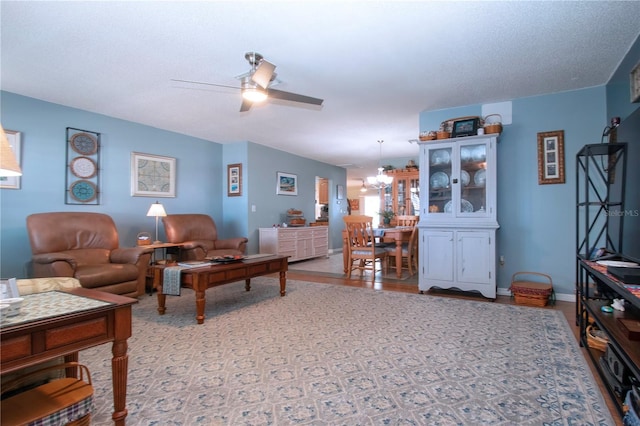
point(377, 251)
point(92, 276)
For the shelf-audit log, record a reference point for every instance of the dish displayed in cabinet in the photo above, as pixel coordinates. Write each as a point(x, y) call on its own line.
point(480, 177)
point(465, 206)
point(464, 177)
point(439, 180)
point(479, 153)
point(465, 154)
point(440, 157)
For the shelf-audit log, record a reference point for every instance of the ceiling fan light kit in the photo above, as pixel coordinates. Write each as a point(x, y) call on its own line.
point(251, 91)
point(255, 85)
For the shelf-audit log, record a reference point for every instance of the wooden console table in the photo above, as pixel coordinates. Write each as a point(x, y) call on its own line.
point(201, 278)
point(61, 323)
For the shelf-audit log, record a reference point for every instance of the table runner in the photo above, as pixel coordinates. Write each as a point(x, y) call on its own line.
point(171, 280)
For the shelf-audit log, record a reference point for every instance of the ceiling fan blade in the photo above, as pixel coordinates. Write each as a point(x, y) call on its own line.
point(202, 82)
point(262, 75)
point(245, 105)
point(293, 97)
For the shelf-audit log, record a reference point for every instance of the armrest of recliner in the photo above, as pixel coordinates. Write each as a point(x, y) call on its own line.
point(237, 243)
point(45, 258)
point(190, 245)
point(128, 254)
point(54, 264)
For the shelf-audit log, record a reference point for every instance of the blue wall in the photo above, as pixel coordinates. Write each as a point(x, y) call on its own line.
point(200, 180)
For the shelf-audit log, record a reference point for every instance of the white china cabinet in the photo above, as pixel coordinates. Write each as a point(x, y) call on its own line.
point(458, 214)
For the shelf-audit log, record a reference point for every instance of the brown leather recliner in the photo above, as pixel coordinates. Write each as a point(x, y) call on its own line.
point(85, 246)
point(198, 236)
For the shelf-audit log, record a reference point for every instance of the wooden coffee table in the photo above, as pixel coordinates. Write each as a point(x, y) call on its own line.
point(200, 279)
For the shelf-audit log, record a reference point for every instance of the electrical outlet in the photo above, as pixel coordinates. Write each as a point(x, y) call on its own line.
point(501, 260)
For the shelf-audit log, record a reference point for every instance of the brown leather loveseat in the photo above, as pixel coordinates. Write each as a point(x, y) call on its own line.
point(198, 236)
point(85, 246)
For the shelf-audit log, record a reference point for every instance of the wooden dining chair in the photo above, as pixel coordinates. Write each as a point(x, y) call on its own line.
point(409, 253)
point(408, 220)
point(363, 252)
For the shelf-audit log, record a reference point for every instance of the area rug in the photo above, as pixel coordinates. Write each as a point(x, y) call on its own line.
point(335, 355)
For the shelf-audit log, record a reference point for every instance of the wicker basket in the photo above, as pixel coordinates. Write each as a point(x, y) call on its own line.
point(596, 340)
point(494, 126)
point(144, 239)
point(531, 293)
point(427, 137)
point(443, 135)
point(70, 395)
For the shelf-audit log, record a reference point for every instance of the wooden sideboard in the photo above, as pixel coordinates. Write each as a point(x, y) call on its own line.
point(296, 242)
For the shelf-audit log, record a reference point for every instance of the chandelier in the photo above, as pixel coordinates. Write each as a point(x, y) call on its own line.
point(380, 181)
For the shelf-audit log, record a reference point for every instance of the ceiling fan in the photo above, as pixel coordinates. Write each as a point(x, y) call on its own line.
point(254, 85)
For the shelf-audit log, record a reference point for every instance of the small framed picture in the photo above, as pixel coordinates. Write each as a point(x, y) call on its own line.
point(634, 80)
point(234, 180)
point(340, 192)
point(286, 184)
point(551, 157)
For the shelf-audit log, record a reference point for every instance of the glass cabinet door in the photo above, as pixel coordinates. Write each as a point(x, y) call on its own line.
point(473, 179)
point(440, 168)
point(457, 180)
point(401, 186)
point(413, 203)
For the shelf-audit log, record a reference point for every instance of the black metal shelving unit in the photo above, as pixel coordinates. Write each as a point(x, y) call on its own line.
point(600, 201)
point(600, 191)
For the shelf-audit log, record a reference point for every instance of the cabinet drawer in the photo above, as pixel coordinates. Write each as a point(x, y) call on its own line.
point(286, 245)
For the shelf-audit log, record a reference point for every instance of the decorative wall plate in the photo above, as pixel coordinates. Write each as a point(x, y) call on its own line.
point(84, 143)
point(83, 191)
point(83, 167)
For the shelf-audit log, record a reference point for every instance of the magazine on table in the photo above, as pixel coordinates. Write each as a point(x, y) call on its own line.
point(194, 263)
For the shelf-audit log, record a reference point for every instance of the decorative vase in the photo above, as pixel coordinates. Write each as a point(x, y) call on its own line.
point(386, 220)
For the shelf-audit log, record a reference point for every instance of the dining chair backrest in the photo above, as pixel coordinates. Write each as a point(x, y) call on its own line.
point(360, 232)
point(402, 220)
point(362, 250)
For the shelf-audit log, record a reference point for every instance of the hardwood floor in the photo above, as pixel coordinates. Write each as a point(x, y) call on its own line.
point(410, 286)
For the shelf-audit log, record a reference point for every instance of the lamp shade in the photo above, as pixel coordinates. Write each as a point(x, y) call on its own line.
point(156, 210)
point(8, 163)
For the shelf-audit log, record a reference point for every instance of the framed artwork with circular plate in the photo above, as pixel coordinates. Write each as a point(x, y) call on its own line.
point(82, 181)
point(83, 191)
point(84, 143)
point(83, 167)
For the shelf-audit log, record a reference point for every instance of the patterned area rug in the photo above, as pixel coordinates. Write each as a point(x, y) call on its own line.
point(334, 355)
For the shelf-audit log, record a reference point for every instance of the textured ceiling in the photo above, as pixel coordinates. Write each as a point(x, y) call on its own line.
point(376, 64)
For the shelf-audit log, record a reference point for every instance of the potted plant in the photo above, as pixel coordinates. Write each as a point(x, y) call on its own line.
point(387, 215)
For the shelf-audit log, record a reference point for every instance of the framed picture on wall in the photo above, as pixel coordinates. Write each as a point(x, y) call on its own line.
point(286, 184)
point(340, 192)
point(634, 78)
point(12, 182)
point(551, 157)
point(152, 175)
point(234, 180)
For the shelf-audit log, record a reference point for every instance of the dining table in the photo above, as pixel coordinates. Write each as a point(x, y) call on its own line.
point(395, 234)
